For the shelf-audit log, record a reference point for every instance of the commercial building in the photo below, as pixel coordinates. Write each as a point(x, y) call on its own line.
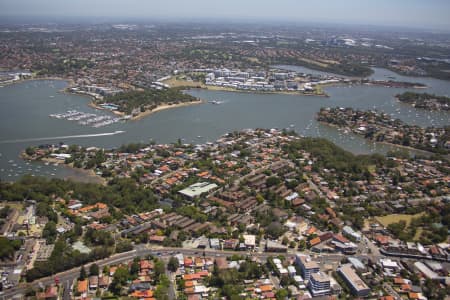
point(348, 231)
point(249, 241)
point(307, 266)
point(357, 286)
point(273, 246)
point(425, 271)
point(214, 243)
point(319, 284)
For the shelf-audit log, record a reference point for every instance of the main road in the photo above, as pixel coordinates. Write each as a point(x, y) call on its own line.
point(67, 277)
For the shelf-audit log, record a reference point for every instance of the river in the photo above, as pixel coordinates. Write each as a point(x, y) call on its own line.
point(25, 108)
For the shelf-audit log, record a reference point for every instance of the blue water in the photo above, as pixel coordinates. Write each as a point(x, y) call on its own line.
point(26, 106)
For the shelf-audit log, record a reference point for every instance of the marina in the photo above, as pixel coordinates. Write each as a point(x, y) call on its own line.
point(86, 119)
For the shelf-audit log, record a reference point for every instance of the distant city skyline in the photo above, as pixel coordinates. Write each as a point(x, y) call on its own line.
point(430, 14)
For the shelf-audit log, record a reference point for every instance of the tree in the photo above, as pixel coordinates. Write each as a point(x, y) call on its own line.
point(260, 198)
point(106, 270)
point(272, 181)
point(94, 270)
point(285, 280)
point(4, 212)
point(78, 229)
point(83, 274)
point(275, 229)
point(301, 245)
point(30, 151)
point(281, 294)
point(162, 292)
point(124, 246)
point(173, 264)
point(159, 268)
point(397, 228)
point(134, 269)
point(120, 279)
point(7, 248)
point(49, 233)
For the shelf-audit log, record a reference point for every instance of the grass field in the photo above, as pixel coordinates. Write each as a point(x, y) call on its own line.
point(174, 82)
point(418, 234)
point(372, 168)
point(314, 62)
point(16, 205)
point(395, 218)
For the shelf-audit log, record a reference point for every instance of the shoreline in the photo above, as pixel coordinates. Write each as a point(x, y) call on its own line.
point(225, 89)
point(421, 108)
point(421, 151)
point(68, 80)
point(84, 175)
point(89, 176)
point(139, 116)
point(95, 106)
point(164, 107)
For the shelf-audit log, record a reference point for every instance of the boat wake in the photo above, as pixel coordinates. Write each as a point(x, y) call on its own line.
point(62, 137)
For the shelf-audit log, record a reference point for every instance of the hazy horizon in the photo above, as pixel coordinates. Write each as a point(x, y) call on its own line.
point(401, 13)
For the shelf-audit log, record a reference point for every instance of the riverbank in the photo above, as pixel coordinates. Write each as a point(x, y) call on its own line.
point(418, 151)
point(86, 176)
point(202, 86)
point(95, 106)
point(82, 175)
point(227, 89)
point(425, 101)
point(141, 115)
point(68, 80)
point(164, 107)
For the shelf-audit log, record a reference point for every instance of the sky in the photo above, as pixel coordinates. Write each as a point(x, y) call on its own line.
point(425, 14)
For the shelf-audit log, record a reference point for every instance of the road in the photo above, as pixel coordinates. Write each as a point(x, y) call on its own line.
point(172, 288)
point(388, 288)
point(67, 277)
point(67, 290)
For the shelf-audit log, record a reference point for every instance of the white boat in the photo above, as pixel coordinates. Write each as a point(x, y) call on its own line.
point(217, 102)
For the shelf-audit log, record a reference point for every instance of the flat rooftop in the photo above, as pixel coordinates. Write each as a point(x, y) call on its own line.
point(197, 189)
point(320, 277)
point(348, 272)
point(308, 263)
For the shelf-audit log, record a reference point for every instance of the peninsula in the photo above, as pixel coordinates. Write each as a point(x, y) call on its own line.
point(381, 127)
point(135, 104)
point(425, 101)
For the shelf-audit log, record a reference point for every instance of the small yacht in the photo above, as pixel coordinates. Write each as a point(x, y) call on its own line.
point(217, 102)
